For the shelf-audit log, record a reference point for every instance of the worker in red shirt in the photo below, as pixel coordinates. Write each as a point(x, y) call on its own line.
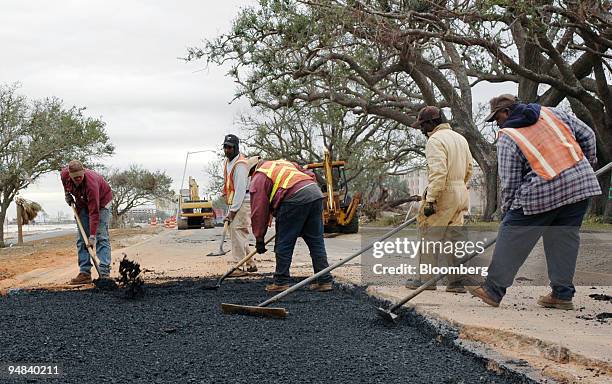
point(282, 189)
point(92, 196)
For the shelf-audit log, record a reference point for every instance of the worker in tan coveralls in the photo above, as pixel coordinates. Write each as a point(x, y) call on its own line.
point(446, 199)
point(236, 191)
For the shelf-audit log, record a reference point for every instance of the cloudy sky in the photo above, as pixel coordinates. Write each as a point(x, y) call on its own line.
point(120, 60)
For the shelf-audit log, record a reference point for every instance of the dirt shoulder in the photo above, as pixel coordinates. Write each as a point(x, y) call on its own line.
point(58, 252)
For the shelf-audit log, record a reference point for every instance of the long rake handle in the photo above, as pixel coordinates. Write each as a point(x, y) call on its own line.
point(489, 243)
point(241, 262)
point(85, 238)
point(334, 266)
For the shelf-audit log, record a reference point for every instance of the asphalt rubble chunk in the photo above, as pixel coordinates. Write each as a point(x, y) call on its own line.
point(177, 333)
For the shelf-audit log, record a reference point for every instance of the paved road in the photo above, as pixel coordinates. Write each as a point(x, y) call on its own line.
point(177, 334)
point(40, 236)
point(183, 254)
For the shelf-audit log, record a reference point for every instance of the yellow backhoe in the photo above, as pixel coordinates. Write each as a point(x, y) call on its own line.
point(340, 209)
point(193, 212)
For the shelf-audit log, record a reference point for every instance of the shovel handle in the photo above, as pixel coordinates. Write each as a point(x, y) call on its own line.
point(225, 229)
point(241, 262)
point(85, 238)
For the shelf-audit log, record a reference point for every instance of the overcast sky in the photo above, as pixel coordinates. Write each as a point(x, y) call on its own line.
point(120, 60)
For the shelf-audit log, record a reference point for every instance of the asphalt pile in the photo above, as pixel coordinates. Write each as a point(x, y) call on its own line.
point(130, 278)
point(178, 334)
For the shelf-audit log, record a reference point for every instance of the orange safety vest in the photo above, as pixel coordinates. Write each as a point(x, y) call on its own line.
point(283, 174)
point(228, 186)
point(548, 145)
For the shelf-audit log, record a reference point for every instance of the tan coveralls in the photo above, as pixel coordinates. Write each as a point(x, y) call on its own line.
point(449, 167)
point(239, 227)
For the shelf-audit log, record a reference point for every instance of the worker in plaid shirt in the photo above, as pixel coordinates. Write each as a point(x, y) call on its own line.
point(545, 159)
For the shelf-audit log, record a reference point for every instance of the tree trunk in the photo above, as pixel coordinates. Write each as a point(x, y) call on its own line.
point(116, 220)
point(19, 224)
point(485, 155)
point(596, 120)
point(3, 211)
point(491, 193)
point(606, 199)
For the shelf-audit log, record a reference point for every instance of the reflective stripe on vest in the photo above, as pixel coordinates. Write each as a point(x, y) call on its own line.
point(548, 145)
point(283, 174)
point(228, 185)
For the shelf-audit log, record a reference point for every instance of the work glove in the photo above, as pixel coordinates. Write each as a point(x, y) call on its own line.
point(230, 216)
point(92, 241)
point(69, 199)
point(260, 245)
point(429, 209)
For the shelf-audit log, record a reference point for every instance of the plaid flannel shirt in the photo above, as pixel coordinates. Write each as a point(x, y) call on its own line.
point(521, 187)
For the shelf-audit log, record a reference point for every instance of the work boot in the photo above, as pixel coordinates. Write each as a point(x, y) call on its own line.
point(238, 273)
point(456, 288)
point(549, 301)
point(252, 268)
point(324, 287)
point(276, 287)
point(414, 284)
point(81, 278)
point(482, 294)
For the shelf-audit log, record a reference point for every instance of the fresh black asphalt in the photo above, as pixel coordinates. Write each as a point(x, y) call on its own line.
point(176, 333)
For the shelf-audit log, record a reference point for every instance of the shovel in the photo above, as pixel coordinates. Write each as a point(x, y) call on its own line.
point(235, 267)
point(391, 317)
point(104, 284)
point(221, 251)
point(262, 309)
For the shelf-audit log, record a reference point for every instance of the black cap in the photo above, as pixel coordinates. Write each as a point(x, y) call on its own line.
point(232, 140)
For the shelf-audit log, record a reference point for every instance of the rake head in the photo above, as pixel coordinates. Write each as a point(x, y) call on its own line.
point(233, 309)
point(388, 316)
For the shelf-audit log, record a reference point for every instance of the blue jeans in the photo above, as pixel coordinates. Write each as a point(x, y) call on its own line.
point(293, 221)
point(517, 236)
point(103, 246)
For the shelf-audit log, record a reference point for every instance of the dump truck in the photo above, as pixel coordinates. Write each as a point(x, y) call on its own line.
point(340, 208)
point(194, 212)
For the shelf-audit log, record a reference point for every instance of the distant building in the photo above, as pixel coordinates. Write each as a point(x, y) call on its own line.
point(416, 181)
point(140, 214)
point(147, 210)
